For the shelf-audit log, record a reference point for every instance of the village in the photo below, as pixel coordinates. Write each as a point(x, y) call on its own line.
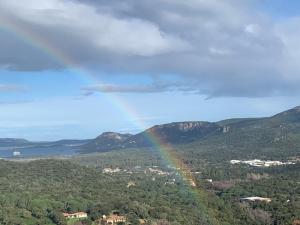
point(154, 172)
point(113, 219)
point(261, 163)
point(173, 173)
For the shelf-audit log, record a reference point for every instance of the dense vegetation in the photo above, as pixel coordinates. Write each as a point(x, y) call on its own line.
point(230, 182)
point(39, 191)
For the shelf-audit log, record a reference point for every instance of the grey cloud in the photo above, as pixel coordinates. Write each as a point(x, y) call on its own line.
point(5, 103)
point(217, 48)
point(12, 88)
point(158, 86)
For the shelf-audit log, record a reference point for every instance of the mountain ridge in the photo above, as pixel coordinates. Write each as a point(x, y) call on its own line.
point(284, 126)
point(19, 142)
point(271, 128)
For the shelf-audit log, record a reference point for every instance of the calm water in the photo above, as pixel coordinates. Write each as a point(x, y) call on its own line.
point(39, 151)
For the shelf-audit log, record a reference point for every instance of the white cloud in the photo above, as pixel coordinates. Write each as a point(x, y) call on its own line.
point(106, 32)
point(252, 29)
point(219, 48)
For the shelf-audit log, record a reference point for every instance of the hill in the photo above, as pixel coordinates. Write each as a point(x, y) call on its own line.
point(282, 129)
point(13, 142)
point(172, 133)
point(107, 141)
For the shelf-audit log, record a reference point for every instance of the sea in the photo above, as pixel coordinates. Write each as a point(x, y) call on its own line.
point(36, 152)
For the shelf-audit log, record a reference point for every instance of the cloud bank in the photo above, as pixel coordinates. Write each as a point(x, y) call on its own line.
point(216, 48)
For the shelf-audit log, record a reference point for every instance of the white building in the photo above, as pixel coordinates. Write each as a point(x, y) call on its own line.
point(16, 153)
point(77, 215)
point(255, 199)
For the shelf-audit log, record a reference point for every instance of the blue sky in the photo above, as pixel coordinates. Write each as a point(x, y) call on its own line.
point(282, 8)
point(133, 67)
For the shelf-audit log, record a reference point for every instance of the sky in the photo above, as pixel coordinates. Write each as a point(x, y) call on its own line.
point(73, 69)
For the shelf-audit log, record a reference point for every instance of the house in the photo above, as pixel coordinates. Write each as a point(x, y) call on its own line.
point(77, 215)
point(296, 222)
point(130, 183)
point(259, 199)
point(111, 171)
point(112, 219)
point(142, 221)
point(16, 153)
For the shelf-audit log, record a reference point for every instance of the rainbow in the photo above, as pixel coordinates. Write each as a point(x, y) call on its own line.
point(38, 42)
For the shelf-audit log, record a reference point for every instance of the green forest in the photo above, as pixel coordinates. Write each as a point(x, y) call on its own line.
point(39, 191)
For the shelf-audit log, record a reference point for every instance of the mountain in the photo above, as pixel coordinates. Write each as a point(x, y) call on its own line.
point(64, 142)
point(277, 137)
point(106, 141)
point(280, 129)
point(172, 133)
point(289, 116)
point(13, 142)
